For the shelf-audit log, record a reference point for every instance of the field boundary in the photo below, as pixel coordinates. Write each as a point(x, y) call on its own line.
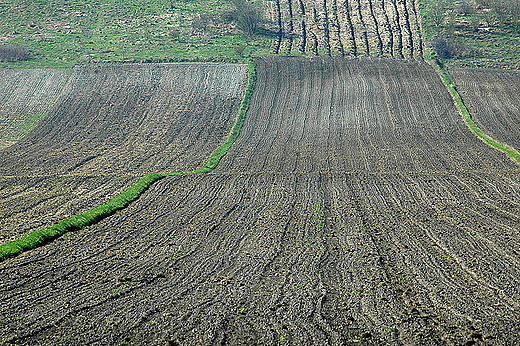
point(74, 223)
point(466, 116)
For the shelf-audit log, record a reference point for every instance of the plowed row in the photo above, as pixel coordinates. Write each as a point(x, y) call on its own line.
point(348, 27)
point(25, 95)
point(410, 237)
point(493, 99)
point(132, 119)
point(110, 125)
point(312, 259)
point(348, 115)
point(30, 203)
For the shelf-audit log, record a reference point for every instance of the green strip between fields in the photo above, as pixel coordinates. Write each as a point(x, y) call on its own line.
point(466, 116)
point(41, 237)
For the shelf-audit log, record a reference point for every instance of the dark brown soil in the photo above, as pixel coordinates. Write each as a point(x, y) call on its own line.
point(493, 99)
point(355, 115)
point(312, 259)
point(135, 119)
point(24, 94)
point(30, 203)
point(109, 126)
point(356, 208)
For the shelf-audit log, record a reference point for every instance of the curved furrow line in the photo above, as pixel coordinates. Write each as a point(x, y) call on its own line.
point(389, 48)
point(78, 221)
point(446, 285)
point(492, 100)
point(350, 27)
point(392, 292)
point(492, 192)
point(470, 247)
point(376, 28)
point(498, 236)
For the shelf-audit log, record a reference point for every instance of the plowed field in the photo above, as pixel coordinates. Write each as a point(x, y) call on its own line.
point(132, 119)
point(493, 99)
point(29, 203)
point(348, 115)
point(421, 248)
point(25, 97)
point(110, 125)
point(312, 259)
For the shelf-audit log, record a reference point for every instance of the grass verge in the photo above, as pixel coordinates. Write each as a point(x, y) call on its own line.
point(466, 116)
point(43, 236)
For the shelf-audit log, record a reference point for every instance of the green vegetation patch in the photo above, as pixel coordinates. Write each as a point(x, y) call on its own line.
point(70, 32)
point(19, 126)
point(213, 161)
point(473, 33)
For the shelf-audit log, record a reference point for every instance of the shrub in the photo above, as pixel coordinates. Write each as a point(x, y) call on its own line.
point(202, 22)
point(13, 53)
point(246, 15)
point(447, 49)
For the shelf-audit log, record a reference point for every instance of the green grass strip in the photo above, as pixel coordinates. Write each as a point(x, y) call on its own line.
point(43, 236)
point(466, 116)
point(213, 161)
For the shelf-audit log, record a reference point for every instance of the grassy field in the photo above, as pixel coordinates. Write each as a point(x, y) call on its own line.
point(475, 33)
point(65, 33)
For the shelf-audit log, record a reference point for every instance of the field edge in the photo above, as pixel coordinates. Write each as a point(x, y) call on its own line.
point(449, 82)
point(43, 236)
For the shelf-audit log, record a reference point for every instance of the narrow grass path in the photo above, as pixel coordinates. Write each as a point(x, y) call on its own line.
point(466, 116)
point(43, 236)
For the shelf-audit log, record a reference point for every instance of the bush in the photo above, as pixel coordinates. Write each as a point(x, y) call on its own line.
point(447, 49)
point(13, 53)
point(247, 16)
point(202, 22)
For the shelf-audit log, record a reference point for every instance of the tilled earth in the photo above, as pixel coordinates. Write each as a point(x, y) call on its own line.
point(108, 126)
point(421, 249)
point(24, 95)
point(312, 259)
point(30, 203)
point(493, 99)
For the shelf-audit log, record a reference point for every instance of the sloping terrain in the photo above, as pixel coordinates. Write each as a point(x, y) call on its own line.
point(30, 203)
point(132, 119)
point(348, 115)
point(25, 97)
point(111, 125)
point(310, 259)
point(267, 251)
point(493, 99)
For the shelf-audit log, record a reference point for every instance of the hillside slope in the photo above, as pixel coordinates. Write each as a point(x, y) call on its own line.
point(111, 125)
point(263, 253)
